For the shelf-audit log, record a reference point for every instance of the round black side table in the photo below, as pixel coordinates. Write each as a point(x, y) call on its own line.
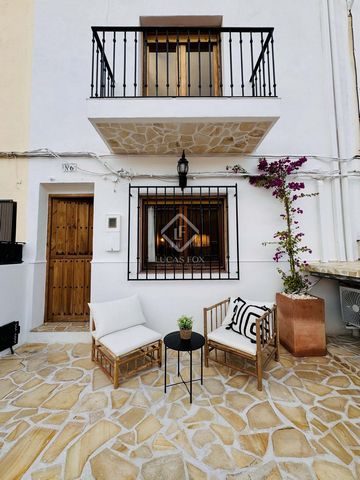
point(174, 342)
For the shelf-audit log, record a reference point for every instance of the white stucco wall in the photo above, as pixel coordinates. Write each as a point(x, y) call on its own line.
point(61, 67)
point(355, 12)
point(163, 301)
point(12, 297)
point(355, 186)
point(61, 83)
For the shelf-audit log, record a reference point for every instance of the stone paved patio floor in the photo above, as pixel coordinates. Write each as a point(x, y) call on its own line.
point(63, 327)
point(61, 419)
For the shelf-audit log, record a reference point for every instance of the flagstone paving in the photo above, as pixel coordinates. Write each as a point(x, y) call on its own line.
point(63, 327)
point(60, 418)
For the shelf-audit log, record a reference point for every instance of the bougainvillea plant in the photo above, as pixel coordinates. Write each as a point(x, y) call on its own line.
point(277, 176)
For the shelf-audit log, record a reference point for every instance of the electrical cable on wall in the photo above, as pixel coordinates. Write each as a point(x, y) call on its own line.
point(236, 171)
point(45, 152)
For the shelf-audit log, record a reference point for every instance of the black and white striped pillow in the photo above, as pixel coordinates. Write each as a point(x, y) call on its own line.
point(243, 318)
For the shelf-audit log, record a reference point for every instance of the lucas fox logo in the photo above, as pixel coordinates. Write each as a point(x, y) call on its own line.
point(181, 260)
point(175, 236)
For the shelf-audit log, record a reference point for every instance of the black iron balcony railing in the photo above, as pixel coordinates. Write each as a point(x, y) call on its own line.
point(177, 62)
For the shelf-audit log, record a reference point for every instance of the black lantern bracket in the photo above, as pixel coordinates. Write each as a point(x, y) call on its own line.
point(182, 169)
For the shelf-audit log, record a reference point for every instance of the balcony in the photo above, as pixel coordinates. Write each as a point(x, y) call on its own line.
point(158, 90)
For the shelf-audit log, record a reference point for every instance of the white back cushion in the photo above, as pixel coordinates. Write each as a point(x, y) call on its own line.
point(116, 315)
point(232, 304)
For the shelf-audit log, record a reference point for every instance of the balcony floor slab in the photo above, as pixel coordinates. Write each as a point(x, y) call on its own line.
point(165, 126)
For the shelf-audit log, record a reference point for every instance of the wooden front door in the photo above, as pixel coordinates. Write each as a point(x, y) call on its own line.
point(69, 253)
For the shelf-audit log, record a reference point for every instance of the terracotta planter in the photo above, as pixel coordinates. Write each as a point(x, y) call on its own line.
point(302, 325)
point(185, 334)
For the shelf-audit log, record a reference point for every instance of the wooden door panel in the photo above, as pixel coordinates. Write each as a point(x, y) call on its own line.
point(79, 279)
point(67, 287)
point(69, 290)
point(84, 231)
point(58, 229)
point(71, 228)
point(55, 287)
point(69, 259)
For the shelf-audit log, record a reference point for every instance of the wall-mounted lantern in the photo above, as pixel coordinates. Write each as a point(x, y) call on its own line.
point(182, 169)
point(358, 248)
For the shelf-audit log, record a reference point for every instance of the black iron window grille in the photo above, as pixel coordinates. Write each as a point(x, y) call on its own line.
point(10, 250)
point(176, 234)
point(193, 62)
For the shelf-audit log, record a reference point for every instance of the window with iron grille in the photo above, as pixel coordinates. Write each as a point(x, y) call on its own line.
point(7, 221)
point(10, 250)
point(183, 235)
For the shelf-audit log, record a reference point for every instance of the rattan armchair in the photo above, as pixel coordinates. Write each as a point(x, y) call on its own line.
point(227, 347)
point(119, 359)
point(121, 344)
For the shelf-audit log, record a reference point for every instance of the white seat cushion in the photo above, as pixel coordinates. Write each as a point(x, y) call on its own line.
point(124, 341)
point(232, 339)
point(116, 315)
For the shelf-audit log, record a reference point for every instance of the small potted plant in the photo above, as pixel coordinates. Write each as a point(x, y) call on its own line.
point(185, 324)
point(300, 315)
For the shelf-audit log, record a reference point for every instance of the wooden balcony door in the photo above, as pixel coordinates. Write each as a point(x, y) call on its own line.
point(180, 65)
point(69, 253)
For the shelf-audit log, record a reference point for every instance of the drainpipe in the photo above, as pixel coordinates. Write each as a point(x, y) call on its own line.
point(340, 187)
point(324, 250)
